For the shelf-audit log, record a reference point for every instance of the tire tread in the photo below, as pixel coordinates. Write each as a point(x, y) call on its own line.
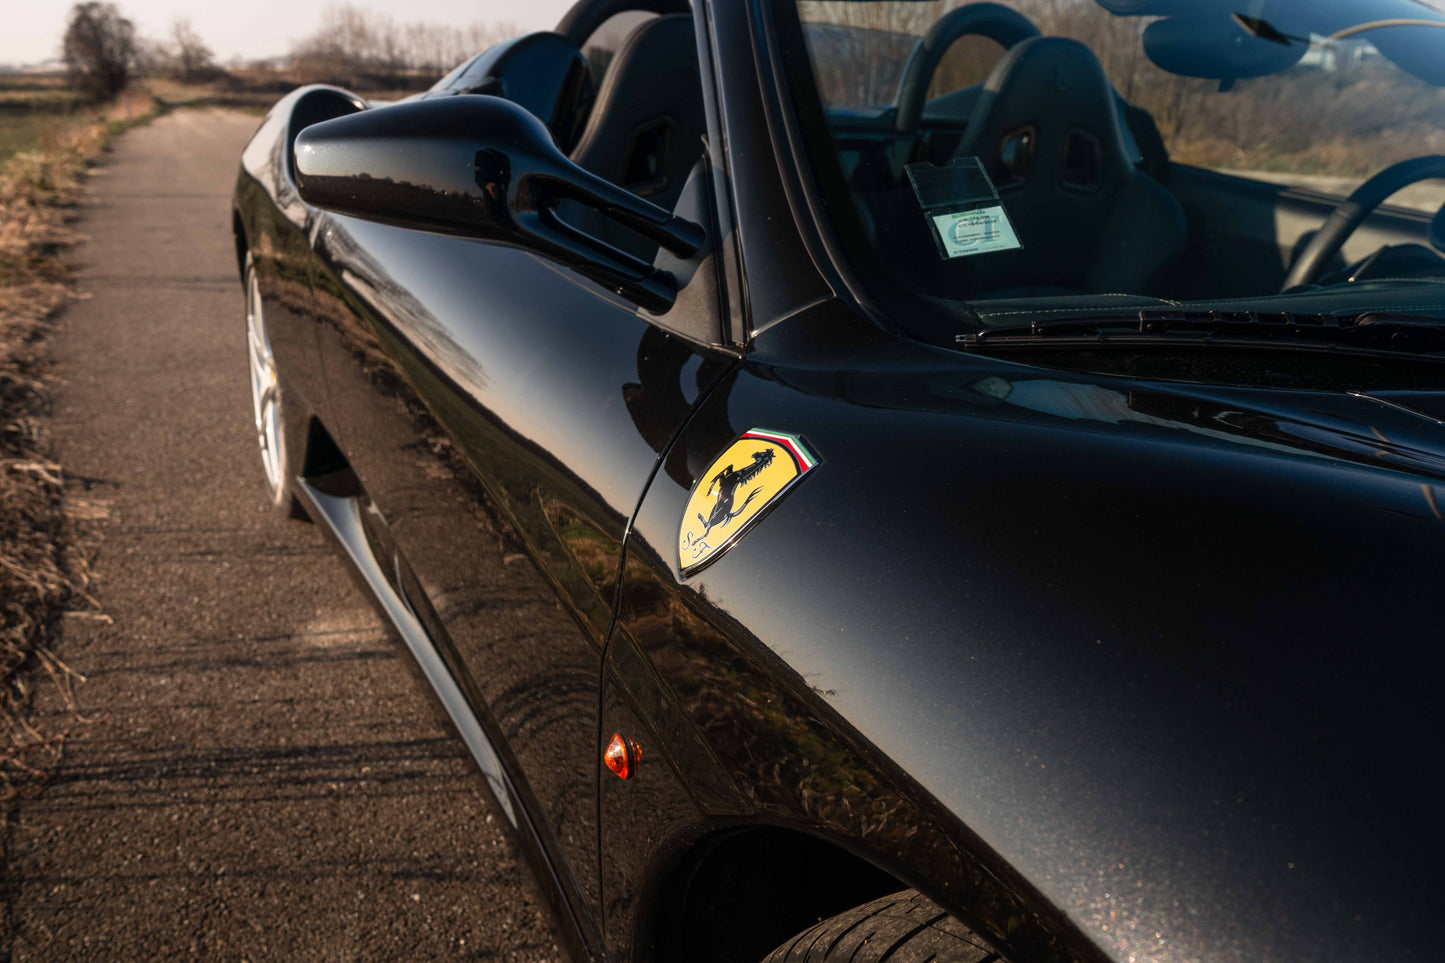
point(906, 927)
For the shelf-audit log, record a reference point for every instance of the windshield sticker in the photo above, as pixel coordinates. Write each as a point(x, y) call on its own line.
point(962, 205)
point(960, 182)
point(980, 231)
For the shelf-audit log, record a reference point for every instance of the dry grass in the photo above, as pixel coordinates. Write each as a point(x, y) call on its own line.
point(43, 570)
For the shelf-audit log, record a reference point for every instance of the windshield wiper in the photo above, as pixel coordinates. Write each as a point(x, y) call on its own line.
point(1371, 333)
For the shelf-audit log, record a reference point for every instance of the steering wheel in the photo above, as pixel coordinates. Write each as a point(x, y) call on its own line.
point(1354, 209)
point(995, 21)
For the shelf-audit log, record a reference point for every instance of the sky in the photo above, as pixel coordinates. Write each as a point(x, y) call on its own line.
point(253, 28)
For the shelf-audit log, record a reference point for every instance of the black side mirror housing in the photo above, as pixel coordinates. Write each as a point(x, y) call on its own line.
point(481, 167)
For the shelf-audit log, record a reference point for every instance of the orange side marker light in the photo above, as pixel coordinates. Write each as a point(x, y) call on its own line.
point(622, 756)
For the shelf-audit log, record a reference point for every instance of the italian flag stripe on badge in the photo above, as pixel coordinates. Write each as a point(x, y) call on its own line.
point(792, 443)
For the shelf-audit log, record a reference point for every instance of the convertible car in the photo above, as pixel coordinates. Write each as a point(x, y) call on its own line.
point(899, 480)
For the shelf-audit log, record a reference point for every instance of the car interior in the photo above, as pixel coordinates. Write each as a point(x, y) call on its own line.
point(645, 132)
point(1110, 226)
point(1104, 216)
point(641, 127)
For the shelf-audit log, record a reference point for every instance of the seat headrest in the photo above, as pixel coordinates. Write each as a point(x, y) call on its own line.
point(543, 73)
point(646, 129)
point(1046, 127)
point(1054, 86)
point(652, 80)
point(584, 17)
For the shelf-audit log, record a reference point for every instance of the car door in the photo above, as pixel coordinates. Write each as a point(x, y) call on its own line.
point(503, 415)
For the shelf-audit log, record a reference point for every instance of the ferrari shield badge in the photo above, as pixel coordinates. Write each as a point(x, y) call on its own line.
point(739, 486)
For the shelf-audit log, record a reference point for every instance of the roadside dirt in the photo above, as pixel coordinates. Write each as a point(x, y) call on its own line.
point(254, 772)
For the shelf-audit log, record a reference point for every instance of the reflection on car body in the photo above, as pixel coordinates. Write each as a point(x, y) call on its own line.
point(1069, 598)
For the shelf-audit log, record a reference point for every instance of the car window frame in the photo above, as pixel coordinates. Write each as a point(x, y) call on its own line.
point(727, 248)
point(715, 256)
point(813, 174)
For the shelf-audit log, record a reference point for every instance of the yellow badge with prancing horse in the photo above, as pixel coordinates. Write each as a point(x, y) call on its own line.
point(738, 487)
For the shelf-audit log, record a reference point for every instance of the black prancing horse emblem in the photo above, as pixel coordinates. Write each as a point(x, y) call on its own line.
point(726, 501)
point(726, 483)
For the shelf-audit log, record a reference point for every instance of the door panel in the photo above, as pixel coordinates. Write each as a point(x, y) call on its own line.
point(499, 413)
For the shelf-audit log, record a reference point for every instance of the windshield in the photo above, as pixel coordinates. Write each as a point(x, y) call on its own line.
point(986, 164)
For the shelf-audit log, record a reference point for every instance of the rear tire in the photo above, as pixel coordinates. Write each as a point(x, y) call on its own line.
point(906, 927)
point(269, 417)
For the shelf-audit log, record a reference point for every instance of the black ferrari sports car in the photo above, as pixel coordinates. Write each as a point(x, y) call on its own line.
point(899, 480)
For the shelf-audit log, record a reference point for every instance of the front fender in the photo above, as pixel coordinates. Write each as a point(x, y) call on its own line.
point(1079, 657)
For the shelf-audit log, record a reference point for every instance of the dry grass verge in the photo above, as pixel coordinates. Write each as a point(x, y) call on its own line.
point(42, 569)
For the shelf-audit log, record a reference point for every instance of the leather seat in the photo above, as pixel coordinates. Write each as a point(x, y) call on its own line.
point(1047, 129)
point(646, 128)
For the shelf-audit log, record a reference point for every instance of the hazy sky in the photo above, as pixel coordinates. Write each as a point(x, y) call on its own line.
point(254, 28)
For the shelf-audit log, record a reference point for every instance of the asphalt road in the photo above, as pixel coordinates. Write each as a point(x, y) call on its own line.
point(255, 773)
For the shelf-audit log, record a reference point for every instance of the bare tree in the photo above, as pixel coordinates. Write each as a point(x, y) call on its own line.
point(99, 49)
point(360, 47)
point(192, 58)
point(152, 58)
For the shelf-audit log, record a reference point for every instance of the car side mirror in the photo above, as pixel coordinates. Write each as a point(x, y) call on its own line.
point(482, 167)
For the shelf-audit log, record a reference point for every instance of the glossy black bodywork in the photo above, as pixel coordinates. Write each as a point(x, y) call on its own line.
point(478, 166)
point(446, 400)
point(1114, 668)
point(1159, 649)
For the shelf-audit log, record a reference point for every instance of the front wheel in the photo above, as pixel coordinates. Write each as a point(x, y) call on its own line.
point(266, 408)
point(906, 927)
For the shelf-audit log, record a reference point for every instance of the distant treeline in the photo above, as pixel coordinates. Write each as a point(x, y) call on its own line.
point(353, 46)
point(358, 47)
point(1358, 116)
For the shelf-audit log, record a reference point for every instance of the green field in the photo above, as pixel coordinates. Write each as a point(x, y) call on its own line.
point(31, 104)
point(20, 132)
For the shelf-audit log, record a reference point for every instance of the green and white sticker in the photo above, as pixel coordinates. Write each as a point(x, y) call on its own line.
point(980, 231)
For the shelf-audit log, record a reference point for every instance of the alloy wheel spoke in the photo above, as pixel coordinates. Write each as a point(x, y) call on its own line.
point(265, 392)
